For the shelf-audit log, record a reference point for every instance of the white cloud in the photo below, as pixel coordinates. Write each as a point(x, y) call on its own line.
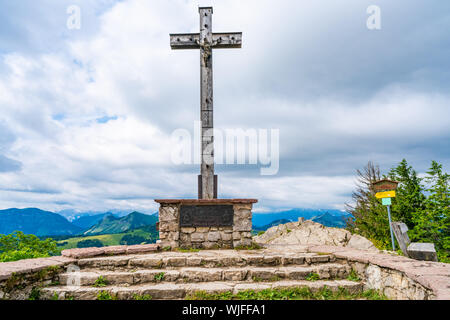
point(339, 94)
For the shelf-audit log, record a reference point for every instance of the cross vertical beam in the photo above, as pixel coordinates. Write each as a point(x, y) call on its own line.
point(206, 40)
point(207, 106)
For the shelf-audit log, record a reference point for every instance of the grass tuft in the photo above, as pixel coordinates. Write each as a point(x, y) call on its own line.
point(159, 277)
point(105, 295)
point(302, 293)
point(313, 277)
point(253, 246)
point(142, 297)
point(353, 276)
point(100, 282)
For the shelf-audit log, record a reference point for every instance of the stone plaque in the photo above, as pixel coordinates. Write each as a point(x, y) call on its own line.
point(206, 216)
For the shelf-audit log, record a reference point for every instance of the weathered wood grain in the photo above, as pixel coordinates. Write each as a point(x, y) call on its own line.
point(181, 41)
point(206, 41)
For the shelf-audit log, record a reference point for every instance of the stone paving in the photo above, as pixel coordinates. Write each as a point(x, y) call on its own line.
point(80, 253)
point(167, 290)
point(132, 270)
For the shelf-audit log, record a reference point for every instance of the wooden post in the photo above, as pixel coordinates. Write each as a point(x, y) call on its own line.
point(206, 40)
point(206, 96)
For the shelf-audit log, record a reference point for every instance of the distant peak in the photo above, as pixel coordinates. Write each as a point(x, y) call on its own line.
point(109, 217)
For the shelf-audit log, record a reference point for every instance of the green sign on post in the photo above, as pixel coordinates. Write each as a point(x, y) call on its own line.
point(388, 202)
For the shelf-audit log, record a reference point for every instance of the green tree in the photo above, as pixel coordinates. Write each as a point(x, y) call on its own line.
point(130, 239)
point(434, 225)
point(17, 246)
point(410, 202)
point(90, 243)
point(422, 203)
point(369, 216)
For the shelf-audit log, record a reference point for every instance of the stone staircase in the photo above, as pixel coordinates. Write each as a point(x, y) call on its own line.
point(177, 275)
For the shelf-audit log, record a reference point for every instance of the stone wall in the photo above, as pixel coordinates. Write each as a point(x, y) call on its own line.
point(393, 283)
point(172, 235)
point(207, 238)
point(23, 280)
point(398, 277)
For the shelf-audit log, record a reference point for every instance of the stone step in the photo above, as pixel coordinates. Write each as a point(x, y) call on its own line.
point(207, 259)
point(172, 291)
point(80, 253)
point(198, 274)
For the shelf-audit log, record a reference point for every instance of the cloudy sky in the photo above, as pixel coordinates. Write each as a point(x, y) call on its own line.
point(86, 115)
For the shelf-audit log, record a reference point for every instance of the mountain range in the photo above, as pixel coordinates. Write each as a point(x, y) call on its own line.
point(111, 224)
point(326, 219)
point(87, 221)
point(270, 225)
point(45, 223)
point(329, 220)
point(36, 221)
point(262, 219)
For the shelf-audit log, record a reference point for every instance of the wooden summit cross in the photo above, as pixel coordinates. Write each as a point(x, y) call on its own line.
point(206, 40)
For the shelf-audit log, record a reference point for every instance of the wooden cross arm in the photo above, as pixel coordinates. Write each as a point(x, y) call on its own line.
point(220, 40)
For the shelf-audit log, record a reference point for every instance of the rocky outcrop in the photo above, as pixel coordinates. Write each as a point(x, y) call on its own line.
point(312, 233)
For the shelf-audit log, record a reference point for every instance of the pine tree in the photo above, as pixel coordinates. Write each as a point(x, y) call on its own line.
point(410, 200)
point(434, 225)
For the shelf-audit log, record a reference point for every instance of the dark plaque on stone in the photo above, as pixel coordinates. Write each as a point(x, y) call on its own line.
point(206, 216)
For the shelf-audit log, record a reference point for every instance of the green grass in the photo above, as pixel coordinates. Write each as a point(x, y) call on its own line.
point(142, 297)
point(313, 277)
point(105, 295)
point(106, 239)
point(289, 294)
point(257, 279)
point(35, 294)
point(159, 277)
point(186, 250)
point(353, 276)
point(253, 246)
point(100, 282)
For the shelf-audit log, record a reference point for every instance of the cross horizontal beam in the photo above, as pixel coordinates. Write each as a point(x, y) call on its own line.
point(228, 40)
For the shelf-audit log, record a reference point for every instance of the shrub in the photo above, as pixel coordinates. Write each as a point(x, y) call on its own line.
point(90, 243)
point(130, 239)
point(17, 246)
